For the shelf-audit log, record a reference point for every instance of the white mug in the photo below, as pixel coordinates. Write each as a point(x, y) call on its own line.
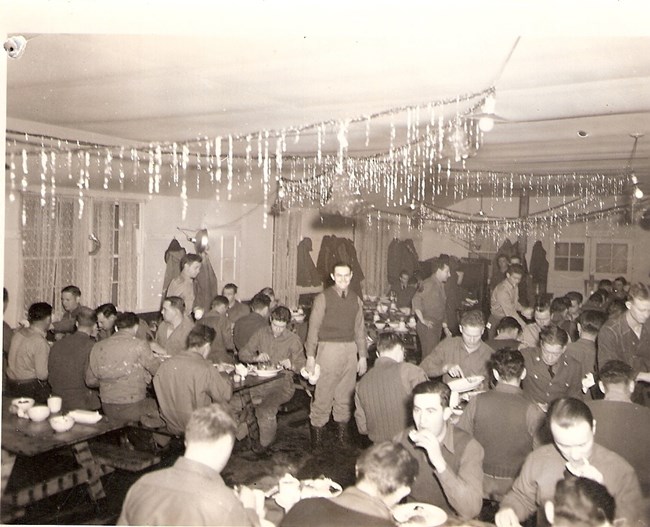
point(54, 403)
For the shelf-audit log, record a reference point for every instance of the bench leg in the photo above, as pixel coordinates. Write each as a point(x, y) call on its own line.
point(85, 458)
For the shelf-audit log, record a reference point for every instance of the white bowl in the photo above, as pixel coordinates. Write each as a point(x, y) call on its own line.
point(380, 325)
point(38, 413)
point(393, 325)
point(23, 403)
point(61, 423)
point(299, 318)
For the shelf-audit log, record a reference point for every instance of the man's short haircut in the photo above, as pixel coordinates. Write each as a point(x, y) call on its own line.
point(72, 289)
point(616, 307)
point(582, 502)
point(516, 268)
point(218, 300)
point(210, 423)
point(597, 297)
point(508, 363)
point(259, 302)
point(86, 317)
point(39, 311)
point(268, 291)
point(108, 310)
point(439, 263)
point(574, 295)
point(126, 320)
point(189, 259)
point(473, 318)
point(388, 466)
point(230, 286)
point(404, 272)
point(621, 279)
point(553, 335)
point(200, 335)
point(281, 314)
point(566, 412)
point(602, 284)
point(341, 264)
point(542, 307)
point(638, 291)
point(591, 321)
point(387, 340)
point(560, 304)
point(176, 302)
point(507, 323)
point(435, 387)
point(616, 372)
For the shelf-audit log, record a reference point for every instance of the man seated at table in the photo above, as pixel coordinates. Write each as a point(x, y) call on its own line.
point(68, 363)
point(189, 381)
point(216, 319)
point(403, 291)
point(172, 333)
point(450, 474)
point(580, 502)
point(384, 475)
point(551, 373)
point(560, 317)
point(504, 422)
point(28, 355)
point(623, 426)
point(192, 491)
point(247, 325)
point(276, 345)
point(383, 395)
point(508, 332)
point(106, 317)
point(462, 356)
point(236, 309)
point(575, 451)
point(122, 366)
point(70, 301)
point(530, 333)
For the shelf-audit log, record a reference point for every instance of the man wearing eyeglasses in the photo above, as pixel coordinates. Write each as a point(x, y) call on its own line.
point(551, 372)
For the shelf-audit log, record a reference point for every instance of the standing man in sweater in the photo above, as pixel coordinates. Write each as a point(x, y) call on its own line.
point(336, 341)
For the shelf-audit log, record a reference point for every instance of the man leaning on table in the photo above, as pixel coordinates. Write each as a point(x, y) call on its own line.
point(192, 491)
point(336, 341)
point(450, 460)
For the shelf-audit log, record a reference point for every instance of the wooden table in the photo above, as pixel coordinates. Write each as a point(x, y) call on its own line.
point(22, 437)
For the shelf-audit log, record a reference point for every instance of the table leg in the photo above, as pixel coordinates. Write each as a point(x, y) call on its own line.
point(85, 458)
point(8, 460)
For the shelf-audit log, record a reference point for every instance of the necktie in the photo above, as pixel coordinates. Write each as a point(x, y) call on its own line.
point(343, 294)
point(551, 372)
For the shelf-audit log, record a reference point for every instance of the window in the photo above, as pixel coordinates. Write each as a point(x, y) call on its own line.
point(225, 247)
point(569, 256)
point(611, 258)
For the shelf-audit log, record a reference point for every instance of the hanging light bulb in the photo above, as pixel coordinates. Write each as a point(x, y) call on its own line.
point(486, 123)
point(638, 193)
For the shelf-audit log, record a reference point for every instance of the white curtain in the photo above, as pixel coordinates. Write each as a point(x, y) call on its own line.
point(128, 256)
point(287, 234)
point(371, 239)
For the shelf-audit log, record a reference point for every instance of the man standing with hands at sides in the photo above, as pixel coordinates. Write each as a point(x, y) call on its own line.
point(336, 342)
point(183, 285)
point(450, 474)
point(430, 307)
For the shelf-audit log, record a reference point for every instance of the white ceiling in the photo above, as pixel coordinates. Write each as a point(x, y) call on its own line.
point(250, 74)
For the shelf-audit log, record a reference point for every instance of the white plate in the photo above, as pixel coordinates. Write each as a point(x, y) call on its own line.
point(426, 515)
point(465, 384)
point(319, 488)
point(267, 373)
point(85, 416)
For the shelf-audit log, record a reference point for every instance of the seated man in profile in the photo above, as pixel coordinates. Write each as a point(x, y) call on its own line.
point(192, 491)
point(276, 345)
point(504, 422)
point(216, 319)
point(188, 381)
point(383, 395)
point(106, 317)
point(450, 461)
point(623, 426)
point(581, 501)
point(172, 333)
point(462, 356)
point(575, 451)
point(384, 475)
point(530, 333)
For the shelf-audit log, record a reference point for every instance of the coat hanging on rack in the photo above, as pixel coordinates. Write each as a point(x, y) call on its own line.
point(306, 273)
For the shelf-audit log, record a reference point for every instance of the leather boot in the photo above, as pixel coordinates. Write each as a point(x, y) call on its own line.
point(317, 436)
point(343, 435)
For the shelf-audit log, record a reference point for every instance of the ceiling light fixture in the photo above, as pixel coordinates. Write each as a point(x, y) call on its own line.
point(200, 239)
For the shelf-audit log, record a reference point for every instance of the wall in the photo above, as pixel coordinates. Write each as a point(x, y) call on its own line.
point(159, 218)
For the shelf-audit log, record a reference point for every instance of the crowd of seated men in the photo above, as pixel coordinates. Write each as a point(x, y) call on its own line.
point(564, 397)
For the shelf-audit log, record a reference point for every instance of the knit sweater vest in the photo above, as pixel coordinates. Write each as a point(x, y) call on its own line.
point(384, 400)
point(340, 314)
point(500, 426)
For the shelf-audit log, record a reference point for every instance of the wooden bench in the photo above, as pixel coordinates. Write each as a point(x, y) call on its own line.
point(116, 456)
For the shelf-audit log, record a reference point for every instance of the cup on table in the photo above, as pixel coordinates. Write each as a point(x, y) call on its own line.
point(54, 403)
